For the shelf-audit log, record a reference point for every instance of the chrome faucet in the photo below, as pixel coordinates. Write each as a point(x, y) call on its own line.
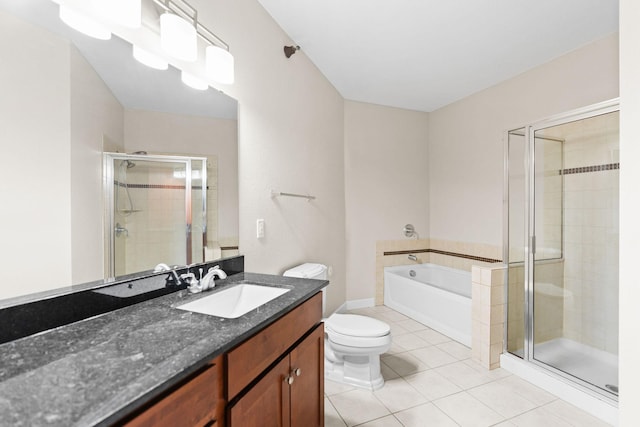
point(173, 278)
point(208, 281)
point(412, 257)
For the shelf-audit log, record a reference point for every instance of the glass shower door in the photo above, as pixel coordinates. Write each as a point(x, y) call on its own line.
point(156, 211)
point(561, 245)
point(575, 274)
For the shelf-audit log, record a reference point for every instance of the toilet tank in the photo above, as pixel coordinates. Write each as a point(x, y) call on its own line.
point(311, 270)
point(308, 270)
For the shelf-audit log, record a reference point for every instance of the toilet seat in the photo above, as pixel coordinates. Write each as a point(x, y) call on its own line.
point(357, 331)
point(357, 326)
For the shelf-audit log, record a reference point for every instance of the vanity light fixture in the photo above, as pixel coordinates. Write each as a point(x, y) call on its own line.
point(178, 37)
point(220, 65)
point(149, 59)
point(126, 13)
point(86, 25)
point(193, 81)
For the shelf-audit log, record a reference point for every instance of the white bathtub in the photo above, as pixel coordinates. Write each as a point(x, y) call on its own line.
point(439, 297)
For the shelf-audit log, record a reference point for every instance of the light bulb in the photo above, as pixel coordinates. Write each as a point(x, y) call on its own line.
point(220, 65)
point(149, 59)
point(127, 13)
point(178, 37)
point(193, 81)
point(83, 23)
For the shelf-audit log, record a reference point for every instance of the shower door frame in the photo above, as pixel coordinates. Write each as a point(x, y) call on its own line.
point(109, 197)
point(594, 110)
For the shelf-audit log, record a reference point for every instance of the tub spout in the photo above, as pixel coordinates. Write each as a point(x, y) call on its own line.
point(412, 257)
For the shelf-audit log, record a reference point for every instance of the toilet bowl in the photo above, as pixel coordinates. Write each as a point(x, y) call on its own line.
point(353, 343)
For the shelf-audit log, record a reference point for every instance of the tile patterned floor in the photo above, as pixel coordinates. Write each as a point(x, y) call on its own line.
point(432, 381)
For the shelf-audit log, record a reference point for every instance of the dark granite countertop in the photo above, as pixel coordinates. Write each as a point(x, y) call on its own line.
point(95, 371)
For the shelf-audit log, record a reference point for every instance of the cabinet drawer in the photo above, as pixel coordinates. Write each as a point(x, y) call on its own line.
point(247, 361)
point(196, 402)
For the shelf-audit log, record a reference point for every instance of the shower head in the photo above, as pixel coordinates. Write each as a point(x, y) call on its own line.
point(131, 164)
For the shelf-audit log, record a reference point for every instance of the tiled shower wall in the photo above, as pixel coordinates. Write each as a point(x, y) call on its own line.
point(576, 296)
point(591, 227)
point(156, 230)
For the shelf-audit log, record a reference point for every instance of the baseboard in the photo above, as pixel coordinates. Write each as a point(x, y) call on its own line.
point(360, 303)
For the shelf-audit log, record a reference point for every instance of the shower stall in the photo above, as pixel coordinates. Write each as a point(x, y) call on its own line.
point(561, 246)
point(156, 211)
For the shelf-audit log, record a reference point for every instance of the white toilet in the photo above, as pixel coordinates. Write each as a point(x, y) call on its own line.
point(353, 343)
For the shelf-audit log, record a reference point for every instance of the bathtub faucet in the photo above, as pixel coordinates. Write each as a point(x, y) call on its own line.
point(412, 257)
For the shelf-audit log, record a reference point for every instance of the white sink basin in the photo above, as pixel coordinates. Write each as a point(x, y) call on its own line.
point(234, 302)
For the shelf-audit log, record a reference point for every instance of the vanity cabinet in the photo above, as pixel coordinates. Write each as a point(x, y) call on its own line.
point(198, 401)
point(276, 378)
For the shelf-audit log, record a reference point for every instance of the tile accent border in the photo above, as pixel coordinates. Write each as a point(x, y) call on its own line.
point(586, 169)
point(437, 251)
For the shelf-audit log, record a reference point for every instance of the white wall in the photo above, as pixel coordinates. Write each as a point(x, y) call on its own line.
point(290, 139)
point(466, 137)
point(629, 212)
point(95, 114)
point(34, 136)
point(386, 185)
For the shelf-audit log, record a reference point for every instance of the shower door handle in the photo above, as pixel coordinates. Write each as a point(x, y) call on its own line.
point(533, 245)
point(120, 229)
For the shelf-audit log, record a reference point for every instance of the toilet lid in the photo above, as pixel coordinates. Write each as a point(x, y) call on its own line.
point(358, 326)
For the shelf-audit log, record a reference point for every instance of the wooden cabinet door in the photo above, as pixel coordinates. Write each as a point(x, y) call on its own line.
point(197, 402)
point(307, 389)
point(266, 404)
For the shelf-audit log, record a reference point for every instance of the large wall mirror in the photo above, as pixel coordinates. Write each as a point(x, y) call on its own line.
point(65, 100)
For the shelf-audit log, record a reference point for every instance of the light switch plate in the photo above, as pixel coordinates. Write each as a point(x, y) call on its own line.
point(260, 228)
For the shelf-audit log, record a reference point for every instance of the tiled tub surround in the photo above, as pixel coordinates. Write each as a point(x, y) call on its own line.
point(95, 371)
point(487, 315)
point(458, 255)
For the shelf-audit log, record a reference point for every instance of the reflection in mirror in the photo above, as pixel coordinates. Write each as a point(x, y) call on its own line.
point(66, 99)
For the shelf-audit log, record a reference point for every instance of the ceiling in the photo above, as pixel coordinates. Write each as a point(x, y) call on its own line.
point(424, 54)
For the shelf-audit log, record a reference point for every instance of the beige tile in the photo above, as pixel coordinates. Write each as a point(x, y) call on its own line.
point(409, 342)
point(467, 410)
point(502, 399)
point(411, 325)
point(432, 385)
point(456, 349)
point(398, 329)
point(527, 390)
point(387, 372)
point(573, 415)
point(497, 276)
point(463, 375)
point(537, 418)
point(404, 363)
point(432, 356)
point(425, 415)
point(397, 395)
point(494, 374)
point(392, 316)
point(358, 406)
point(476, 274)
point(432, 337)
point(333, 387)
point(331, 416)
point(388, 421)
